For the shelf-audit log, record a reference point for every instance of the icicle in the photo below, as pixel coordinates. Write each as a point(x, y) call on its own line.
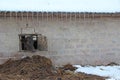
point(16, 15)
point(52, 15)
point(32, 15)
point(58, 16)
point(75, 16)
point(56, 13)
point(93, 15)
point(42, 15)
point(79, 14)
point(88, 15)
point(66, 16)
point(10, 15)
point(70, 16)
point(101, 16)
point(5, 15)
point(47, 16)
point(22, 15)
point(61, 16)
point(37, 18)
point(27, 19)
point(33, 21)
point(84, 15)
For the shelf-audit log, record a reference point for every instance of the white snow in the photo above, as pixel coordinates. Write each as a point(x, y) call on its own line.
point(113, 72)
point(61, 5)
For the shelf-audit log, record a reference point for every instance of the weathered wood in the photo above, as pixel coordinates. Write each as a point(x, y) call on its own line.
point(64, 15)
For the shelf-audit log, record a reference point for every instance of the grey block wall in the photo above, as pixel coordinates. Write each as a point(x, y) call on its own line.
point(78, 41)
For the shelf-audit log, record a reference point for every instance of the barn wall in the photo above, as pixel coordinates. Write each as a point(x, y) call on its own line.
point(76, 41)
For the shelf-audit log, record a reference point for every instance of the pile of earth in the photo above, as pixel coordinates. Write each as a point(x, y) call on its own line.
point(40, 68)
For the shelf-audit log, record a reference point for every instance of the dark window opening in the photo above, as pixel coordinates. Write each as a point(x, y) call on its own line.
point(33, 42)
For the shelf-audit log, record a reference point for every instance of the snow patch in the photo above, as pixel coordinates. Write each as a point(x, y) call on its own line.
point(113, 72)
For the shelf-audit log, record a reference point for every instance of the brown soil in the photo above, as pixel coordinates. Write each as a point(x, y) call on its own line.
point(112, 64)
point(40, 68)
point(69, 67)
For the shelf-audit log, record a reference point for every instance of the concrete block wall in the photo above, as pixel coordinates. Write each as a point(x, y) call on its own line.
point(79, 41)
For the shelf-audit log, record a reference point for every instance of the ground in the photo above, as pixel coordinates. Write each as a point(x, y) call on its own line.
point(41, 68)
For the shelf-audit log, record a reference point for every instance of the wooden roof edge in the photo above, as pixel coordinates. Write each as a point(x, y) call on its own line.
point(59, 12)
point(45, 13)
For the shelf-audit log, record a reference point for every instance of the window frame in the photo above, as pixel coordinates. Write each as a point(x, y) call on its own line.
point(20, 46)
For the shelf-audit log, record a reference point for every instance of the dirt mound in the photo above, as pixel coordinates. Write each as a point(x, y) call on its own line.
point(112, 64)
point(35, 66)
point(39, 68)
point(69, 67)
